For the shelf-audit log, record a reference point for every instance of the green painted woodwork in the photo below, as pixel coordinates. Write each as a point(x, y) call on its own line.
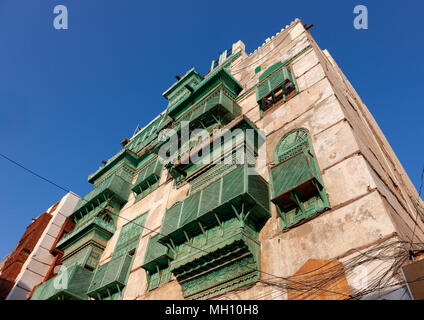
point(145, 137)
point(129, 236)
point(110, 277)
point(104, 211)
point(296, 184)
point(275, 79)
point(209, 240)
point(270, 70)
point(219, 201)
point(122, 164)
point(148, 175)
point(158, 277)
point(86, 256)
point(221, 76)
point(294, 172)
point(231, 276)
point(156, 263)
point(157, 255)
point(286, 63)
point(291, 144)
point(113, 187)
point(146, 191)
point(210, 174)
point(96, 229)
point(71, 284)
point(85, 244)
point(228, 258)
point(219, 104)
point(179, 90)
point(232, 144)
point(225, 61)
point(214, 110)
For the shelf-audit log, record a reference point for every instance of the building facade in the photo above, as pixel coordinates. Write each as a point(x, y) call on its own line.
point(34, 259)
point(266, 178)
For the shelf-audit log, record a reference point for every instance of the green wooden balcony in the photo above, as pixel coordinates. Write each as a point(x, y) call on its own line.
point(146, 137)
point(297, 187)
point(157, 255)
point(228, 259)
point(275, 83)
point(124, 158)
point(219, 79)
point(148, 176)
point(240, 137)
point(110, 277)
point(107, 229)
point(218, 244)
point(299, 172)
point(218, 105)
point(113, 187)
point(236, 194)
point(71, 284)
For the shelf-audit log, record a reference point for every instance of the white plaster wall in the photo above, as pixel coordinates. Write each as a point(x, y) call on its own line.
point(39, 261)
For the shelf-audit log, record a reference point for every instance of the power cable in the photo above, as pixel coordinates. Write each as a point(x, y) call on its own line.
point(309, 285)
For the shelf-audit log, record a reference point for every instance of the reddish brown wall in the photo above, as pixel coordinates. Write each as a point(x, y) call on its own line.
point(17, 258)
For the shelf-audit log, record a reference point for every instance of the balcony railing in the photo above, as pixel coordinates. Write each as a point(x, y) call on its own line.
point(71, 284)
point(114, 186)
point(220, 78)
point(148, 176)
point(92, 222)
point(218, 103)
point(236, 193)
point(110, 277)
point(157, 255)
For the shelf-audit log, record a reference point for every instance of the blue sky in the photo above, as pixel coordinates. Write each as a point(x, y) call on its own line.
point(68, 97)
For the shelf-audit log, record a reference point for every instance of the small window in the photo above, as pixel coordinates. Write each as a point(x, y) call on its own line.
point(277, 84)
point(296, 183)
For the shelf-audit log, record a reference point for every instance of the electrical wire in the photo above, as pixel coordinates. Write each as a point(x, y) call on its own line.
point(131, 221)
point(417, 209)
point(317, 282)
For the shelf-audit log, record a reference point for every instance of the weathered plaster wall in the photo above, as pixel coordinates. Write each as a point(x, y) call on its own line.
point(368, 190)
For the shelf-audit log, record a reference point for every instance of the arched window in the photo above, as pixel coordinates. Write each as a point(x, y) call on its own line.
point(296, 182)
point(293, 142)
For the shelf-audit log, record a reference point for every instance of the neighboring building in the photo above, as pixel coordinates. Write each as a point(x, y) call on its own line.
point(34, 259)
point(314, 195)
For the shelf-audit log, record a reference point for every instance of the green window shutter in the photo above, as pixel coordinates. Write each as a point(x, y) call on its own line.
point(291, 144)
point(274, 77)
point(270, 70)
point(210, 197)
point(110, 277)
point(78, 280)
point(296, 183)
point(171, 218)
point(235, 191)
point(190, 209)
point(148, 175)
point(291, 173)
point(263, 90)
point(96, 283)
point(156, 255)
point(154, 280)
point(117, 270)
point(129, 236)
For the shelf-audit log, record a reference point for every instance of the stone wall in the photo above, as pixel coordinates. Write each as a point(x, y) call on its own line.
point(370, 194)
